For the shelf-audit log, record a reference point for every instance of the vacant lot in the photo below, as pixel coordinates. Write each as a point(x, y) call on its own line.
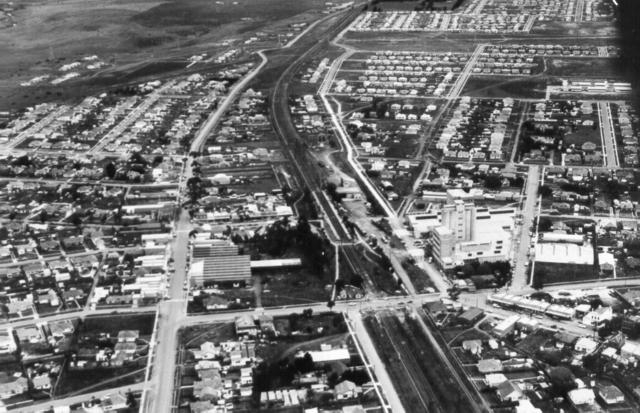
point(590, 67)
point(505, 86)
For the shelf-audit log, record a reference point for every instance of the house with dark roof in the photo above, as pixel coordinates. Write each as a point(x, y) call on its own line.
point(471, 316)
point(507, 391)
point(245, 325)
point(610, 395)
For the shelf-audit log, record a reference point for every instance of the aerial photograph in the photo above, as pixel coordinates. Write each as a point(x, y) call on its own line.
point(312, 206)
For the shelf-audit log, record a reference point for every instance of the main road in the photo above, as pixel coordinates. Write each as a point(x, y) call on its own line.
point(521, 244)
point(608, 135)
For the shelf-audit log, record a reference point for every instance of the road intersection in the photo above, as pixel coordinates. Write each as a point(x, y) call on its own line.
point(158, 389)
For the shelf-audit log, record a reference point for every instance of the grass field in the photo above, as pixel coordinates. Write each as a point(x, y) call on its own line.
point(505, 86)
point(555, 273)
point(592, 67)
point(125, 34)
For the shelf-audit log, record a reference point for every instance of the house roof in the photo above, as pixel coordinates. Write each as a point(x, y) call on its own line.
point(245, 321)
point(505, 389)
point(128, 334)
point(345, 386)
point(610, 392)
point(489, 365)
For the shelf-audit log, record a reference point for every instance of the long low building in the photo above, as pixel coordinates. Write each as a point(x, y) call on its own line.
point(214, 249)
point(276, 263)
point(232, 268)
point(564, 253)
point(531, 305)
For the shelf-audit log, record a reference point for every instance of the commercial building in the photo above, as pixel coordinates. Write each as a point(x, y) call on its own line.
point(233, 268)
point(630, 349)
point(564, 253)
point(598, 316)
point(460, 218)
point(506, 326)
point(471, 233)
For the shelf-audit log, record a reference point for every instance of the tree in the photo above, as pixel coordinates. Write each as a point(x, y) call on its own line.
point(304, 364)
point(493, 182)
point(539, 279)
point(562, 380)
point(331, 304)
point(110, 170)
point(544, 224)
point(132, 403)
point(468, 270)
point(545, 191)
point(454, 292)
point(157, 160)
point(331, 189)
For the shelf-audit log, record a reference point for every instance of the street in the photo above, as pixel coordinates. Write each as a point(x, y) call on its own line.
point(608, 135)
point(521, 243)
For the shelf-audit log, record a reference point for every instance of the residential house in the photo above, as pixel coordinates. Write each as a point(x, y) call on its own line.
point(472, 346)
point(507, 391)
point(245, 325)
point(7, 342)
point(581, 397)
point(345, 390)
point(209, 389)
point(494, 379)
point(128, 336)
point(586, 345)
point(41, 382)
point(610, 395)
point(10, 387)
point(489, 366)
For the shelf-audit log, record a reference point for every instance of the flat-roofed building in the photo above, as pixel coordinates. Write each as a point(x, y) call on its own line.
point(506, 326)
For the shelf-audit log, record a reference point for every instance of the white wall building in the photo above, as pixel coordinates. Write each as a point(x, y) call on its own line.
point(469, 233)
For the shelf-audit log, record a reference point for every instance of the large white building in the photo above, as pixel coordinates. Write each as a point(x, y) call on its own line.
point(467, 232)
point(564, 253)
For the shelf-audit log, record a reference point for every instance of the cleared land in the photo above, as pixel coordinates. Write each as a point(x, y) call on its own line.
point(127, 35)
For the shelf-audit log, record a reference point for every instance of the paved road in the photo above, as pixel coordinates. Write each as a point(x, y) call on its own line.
point(77, 314)
point(48, 405)
point(172, 315)
point(520, 272)
point(462, 78)
point(608, 135)
point(377, 365)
